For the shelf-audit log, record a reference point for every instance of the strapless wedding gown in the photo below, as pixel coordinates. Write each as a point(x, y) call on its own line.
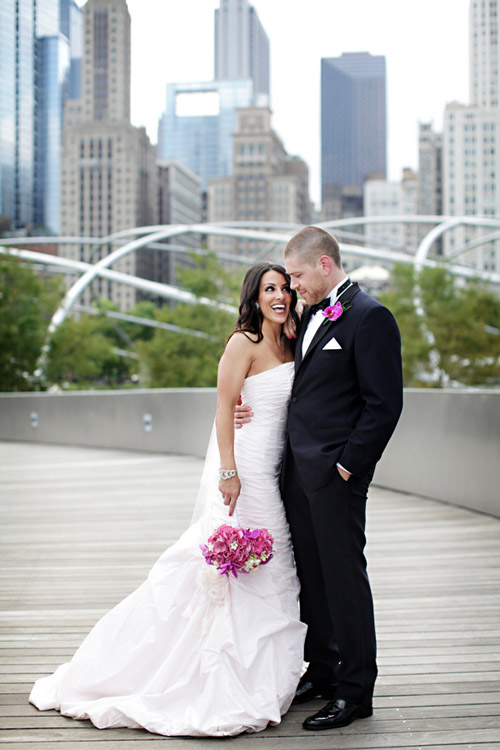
point(191, 652)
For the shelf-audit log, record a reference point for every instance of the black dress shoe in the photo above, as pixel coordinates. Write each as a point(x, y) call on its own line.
point(337, 713)
point(307, 690)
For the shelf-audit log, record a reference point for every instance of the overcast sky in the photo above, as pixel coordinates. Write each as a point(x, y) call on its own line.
point(425, 43)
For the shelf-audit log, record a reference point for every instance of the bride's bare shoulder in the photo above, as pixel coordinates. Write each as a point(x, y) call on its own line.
point(244, 338)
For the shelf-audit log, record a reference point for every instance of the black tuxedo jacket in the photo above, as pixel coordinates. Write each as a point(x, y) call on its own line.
point(345, 402)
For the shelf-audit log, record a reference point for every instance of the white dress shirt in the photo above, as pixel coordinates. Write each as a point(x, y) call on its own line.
point(317, 319)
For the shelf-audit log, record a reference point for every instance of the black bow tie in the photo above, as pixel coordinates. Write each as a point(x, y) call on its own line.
point(327, 301)
point(320, 305)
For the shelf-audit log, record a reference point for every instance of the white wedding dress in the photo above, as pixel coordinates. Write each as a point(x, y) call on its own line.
point(191, 652)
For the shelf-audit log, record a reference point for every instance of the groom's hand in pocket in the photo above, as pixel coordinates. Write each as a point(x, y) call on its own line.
point(242, 414)
point(343, 473)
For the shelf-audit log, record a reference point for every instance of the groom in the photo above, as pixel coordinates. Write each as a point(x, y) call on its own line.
point(345, 403)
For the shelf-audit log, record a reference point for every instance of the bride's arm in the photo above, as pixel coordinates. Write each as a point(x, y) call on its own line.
point(233, 367)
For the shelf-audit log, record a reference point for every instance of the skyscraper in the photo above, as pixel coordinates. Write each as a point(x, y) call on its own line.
point(34, 65)
point(197, 125)
point(484, 54)
point(471, 156)
point(71, 28)
point(353, 121)
point(267, 184)
point(242, 47)
point(108, 175)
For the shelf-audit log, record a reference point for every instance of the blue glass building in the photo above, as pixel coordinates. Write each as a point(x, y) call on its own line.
point(17, 110)
point(353, 120)
point(52, 69)
point(34, 70)
point(70, 24)
point(198, 123)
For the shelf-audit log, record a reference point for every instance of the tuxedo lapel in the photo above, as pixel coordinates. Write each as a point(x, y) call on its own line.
point(326, 327)
point(306, 317)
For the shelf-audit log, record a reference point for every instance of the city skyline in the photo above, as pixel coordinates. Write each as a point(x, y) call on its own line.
point(427, 66)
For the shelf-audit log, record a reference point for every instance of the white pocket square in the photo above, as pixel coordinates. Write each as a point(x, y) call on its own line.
point(332, 344)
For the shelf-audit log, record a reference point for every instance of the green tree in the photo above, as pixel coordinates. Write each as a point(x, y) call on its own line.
point(136, 331)
point(27, 302)
point(181, 360)
point(415, 347)
point(463, 323)
point(171, 359)
point(207, 278)
point(82, 354)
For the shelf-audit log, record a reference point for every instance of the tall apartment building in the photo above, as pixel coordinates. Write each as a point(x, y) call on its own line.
point(484, 54)
point(471, 153)
point(267, 184)
point(108, 175)
point(241, 47)
point(37, 56)
point(353, 127)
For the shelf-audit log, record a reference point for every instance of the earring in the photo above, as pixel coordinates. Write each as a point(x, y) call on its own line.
point(257, 306)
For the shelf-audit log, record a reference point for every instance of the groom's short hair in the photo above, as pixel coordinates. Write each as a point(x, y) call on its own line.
point(311, 243)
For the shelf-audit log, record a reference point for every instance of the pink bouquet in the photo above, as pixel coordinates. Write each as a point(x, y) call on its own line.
point(231, 549)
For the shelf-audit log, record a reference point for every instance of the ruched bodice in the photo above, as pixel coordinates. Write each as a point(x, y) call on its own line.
point(259, 444)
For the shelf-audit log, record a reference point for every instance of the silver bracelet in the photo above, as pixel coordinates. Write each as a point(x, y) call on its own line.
point(227, 473)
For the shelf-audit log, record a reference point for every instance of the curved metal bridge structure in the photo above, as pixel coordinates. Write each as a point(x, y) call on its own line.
point(272, 236)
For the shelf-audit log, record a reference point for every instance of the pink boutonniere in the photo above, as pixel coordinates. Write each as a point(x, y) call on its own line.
point(334, 312)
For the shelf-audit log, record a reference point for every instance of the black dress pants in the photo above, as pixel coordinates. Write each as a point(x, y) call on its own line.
point(328, 535)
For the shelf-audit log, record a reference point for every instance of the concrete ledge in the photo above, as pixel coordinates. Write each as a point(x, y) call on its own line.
point(171, 420)
point(446, 446)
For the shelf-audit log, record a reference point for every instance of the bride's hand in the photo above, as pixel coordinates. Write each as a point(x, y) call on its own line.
point(289, 327)
point(230, 490)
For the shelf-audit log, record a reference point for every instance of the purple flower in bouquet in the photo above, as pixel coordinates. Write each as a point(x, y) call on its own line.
point(231, 549)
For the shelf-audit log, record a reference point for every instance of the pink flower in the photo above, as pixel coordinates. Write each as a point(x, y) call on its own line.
point(235, 550)
point(333, 312)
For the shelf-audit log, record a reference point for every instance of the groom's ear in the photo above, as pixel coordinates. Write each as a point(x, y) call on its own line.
point(325, 264)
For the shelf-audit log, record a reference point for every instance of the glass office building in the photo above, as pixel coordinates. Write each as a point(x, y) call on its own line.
point(198, 123)
point(17, 110)
point(34, 69)
point(241, 48)
point(51, 87)
point(353, 119)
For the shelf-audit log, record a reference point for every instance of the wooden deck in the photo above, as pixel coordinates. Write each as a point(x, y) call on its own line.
point(81, 527)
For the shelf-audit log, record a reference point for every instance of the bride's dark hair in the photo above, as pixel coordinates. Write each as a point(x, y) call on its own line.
point(250, 317)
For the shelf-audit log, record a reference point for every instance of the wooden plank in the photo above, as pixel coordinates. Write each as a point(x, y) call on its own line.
point(74, 543)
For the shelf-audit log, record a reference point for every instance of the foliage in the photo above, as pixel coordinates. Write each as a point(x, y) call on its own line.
point(207, 278)
point(136, 331)
point(464, 323)
point(27, 302)
point(414, 345)
point(178, 360)
point(82, 353)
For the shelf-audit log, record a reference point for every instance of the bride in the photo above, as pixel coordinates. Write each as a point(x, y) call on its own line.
point(192, 652)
